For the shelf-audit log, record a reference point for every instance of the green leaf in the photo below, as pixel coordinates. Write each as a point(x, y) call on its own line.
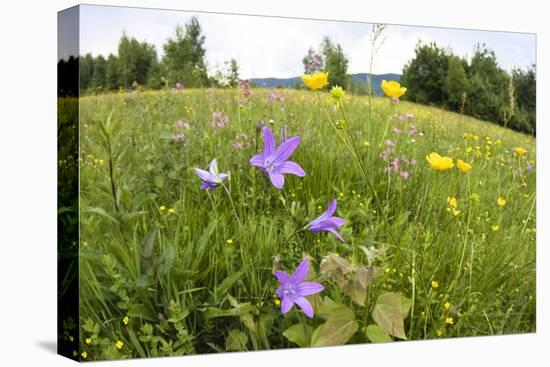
point(142, 311)
point(159, 181)
point(227, 283)
point(101, 212)
point(334, 332)
point(299, 334)
point(377, 335)
point(333, 310)
point(213, 312)
point(236, 341)
point(390, 311)
point(339, 327)
point(148, 243)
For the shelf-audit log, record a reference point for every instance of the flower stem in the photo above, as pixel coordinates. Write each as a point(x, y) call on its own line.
point(232, 205)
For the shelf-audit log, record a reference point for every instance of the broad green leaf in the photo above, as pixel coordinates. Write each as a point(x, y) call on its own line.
point(333, 310)
point(236, 341)
point(299, 334)
point(159, 181)
point(148, 244)
point(248, 320)
point(334, 332)
point(390, 311)
point(141, 311)
point(335, 268)
point(213, 312)
point(356, 292)
point(377, 335)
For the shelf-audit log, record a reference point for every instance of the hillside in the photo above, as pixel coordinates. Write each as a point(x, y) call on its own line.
point(270, 83)
point(455, 237)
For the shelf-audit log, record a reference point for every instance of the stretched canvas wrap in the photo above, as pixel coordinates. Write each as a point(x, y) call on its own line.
point(238, 183)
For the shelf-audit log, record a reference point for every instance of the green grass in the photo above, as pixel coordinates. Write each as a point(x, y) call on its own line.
point(171, 272)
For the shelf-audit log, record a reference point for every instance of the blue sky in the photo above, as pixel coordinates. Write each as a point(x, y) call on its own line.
point(269, 46)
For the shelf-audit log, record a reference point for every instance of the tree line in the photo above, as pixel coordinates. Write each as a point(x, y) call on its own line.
point(477, 87)
point(137, 63)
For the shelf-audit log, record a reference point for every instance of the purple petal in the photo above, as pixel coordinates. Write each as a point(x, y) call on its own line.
point(315, 227)
point(282, 277)
point(336, 222)
point(291, 168)
point(257, 160)
point(333, 231)
point(213, 167)
point(286, 305)
point(305, 306)
point(308, 288)
point(208, 185)
point(222, 176)
point(205, 175)
point(279, 292)
point(285, 150)
point(301, 272)
point(269, 141)
point(331, 207)
point(277, 179)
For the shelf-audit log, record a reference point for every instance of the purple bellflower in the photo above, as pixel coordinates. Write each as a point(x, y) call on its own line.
point(293, 289)
point(274, 160)
point(326, 222)
point(212, 178)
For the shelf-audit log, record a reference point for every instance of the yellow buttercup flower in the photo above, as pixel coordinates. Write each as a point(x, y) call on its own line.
point(84, 355)
point(162, 207)
point(438, 332)
point(456, 212)
point(229, 241)
point(435, 284)
point(495, 227)
point(125, 320)
point(463, 166)
point(277, 302)
point(501, 202)
point(119, 344)
point(438, 162)
point(88, 341)
point(315, 81)
point(447, 305)
point(393, 89)
point(449, 321)
point(519, 151)
point(171, 210)
point(453, 203)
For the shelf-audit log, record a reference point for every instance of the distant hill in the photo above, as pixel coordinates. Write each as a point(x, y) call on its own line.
point(291, 82)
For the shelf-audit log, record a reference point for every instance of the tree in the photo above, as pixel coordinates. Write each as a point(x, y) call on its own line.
point(86, 71)
point(232, 73)
point(489, 86)
point(184, 56)
point(111, 73)
point(134, 61)
point(456, 83)
point(99, 73)
point(424, 75)
point(336, 63)
point(525, 88)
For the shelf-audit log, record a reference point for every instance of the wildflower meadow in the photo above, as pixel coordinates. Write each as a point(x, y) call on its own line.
point(242, 219)
point(290, 198)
